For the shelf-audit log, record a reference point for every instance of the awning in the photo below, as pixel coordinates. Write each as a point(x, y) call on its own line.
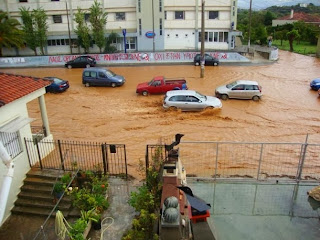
point(15, 124)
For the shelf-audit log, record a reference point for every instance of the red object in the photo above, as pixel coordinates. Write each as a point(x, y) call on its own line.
point(160, 85)
point(198, 218)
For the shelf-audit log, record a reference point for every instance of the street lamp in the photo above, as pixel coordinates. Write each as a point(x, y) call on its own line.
point(68, 28)
point(202, 40)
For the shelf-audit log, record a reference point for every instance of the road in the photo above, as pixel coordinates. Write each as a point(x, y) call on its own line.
point(288, 111)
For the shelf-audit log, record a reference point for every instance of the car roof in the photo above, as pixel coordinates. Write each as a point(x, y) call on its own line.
point(180, 92)
point(95, 69)
point(247, 82)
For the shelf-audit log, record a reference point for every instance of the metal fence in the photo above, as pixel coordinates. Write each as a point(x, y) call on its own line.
point(72, 155)
point(259, 161)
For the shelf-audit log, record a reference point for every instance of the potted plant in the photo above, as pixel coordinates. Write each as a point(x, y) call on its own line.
point(58, 189)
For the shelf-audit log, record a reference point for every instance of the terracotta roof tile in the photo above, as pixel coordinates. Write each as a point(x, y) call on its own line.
point(13, 87)
point(300, 16)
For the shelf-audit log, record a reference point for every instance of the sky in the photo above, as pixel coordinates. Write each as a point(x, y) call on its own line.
point(262, 4)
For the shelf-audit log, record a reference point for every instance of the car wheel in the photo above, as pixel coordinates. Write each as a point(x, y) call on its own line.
point(224, 97)
point(87, 84)
point(145, 93)
point(88, 65)
point(196, 64)
point(113, 84)
point(172, 109)
point(255, 98)
point(215, 64)
point(69, 66)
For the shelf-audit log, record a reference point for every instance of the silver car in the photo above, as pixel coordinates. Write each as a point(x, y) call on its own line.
point(241, 89)
point(189, 100)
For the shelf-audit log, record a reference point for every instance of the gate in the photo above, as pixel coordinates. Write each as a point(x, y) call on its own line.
point(71, 155)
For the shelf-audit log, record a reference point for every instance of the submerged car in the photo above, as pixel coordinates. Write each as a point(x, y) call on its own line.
point(81, 62)
point(208, 60)
point(240, 89)
point(315, 84)
point(189, 100)
point(57, 85)
point(101, 77)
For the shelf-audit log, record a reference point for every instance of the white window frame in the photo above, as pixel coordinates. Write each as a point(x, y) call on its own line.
point(120, 16)
point(12, 143)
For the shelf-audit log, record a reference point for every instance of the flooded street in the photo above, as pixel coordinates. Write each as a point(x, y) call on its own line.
point(288, 111)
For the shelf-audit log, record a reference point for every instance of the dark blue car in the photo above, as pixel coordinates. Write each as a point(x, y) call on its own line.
point(315, 84)
point(57, 85)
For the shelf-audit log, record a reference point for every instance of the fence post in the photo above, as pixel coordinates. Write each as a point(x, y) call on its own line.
point(27, 149)
point(260, 161)
point(125, 160)
point(147, 159)
point(61, 157)
point(105, 163)
point(302, 159)
point(217, 152)
point(39, 155)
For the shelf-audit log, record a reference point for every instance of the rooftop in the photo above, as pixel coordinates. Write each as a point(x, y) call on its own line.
point(301, 16)
point(14, 86)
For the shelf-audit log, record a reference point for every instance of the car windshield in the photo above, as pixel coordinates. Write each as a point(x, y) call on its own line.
point(200, 96)
point(110, 73)
point(230, 85)
point(58, 81)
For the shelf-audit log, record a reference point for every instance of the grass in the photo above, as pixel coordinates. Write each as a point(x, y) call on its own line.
point(304, 48)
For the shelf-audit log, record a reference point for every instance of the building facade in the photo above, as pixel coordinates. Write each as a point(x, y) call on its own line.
point(141, 25)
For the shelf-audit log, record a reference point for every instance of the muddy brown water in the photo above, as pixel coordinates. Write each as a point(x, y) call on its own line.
point(288, 111)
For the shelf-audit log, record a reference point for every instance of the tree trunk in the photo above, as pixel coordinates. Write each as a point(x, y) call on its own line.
point(291, 45)
point(0, 52)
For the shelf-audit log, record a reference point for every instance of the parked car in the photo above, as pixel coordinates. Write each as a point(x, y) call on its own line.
point(189, 100)
point(57, 85)
point(101, 77)
point(160, 84)
point(208, 60)
point(241, 89)
point(315, 84)
point(81, 62)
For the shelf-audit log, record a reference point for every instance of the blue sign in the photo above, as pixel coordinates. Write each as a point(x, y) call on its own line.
point(124, 32)
point(150, 34)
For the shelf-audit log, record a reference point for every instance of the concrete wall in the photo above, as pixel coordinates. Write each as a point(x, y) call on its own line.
point(119, 58)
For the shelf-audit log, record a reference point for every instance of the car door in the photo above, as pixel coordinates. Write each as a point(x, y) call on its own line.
point(249, 91)
point(237, 91)
point(155, 87)
point(208, 60)
point(102, 79)
point(179, 102)
point(93, 78)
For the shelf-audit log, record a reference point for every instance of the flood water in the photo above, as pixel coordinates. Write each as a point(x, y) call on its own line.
point(288, 111)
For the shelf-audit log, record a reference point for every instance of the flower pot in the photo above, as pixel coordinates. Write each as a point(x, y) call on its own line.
point(96, 225)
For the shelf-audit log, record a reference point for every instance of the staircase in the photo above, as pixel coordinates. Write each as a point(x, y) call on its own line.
point(35, 197)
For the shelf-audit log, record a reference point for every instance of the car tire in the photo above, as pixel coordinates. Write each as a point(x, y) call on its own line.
point(69, 66)
point(224, 97)
point(196, 64)
point(145, 93)
point(209, 108)
point(215, 64)
point(255, 98)
point(113, 85)
point(88, 65)
point(172, 109)
point(87, 84)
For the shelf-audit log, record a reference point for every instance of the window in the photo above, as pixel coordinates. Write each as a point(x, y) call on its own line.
point(23, 0)
point(160, 25)
point(160, 5)
point(54, 42)
point(225, 36)
point(215, 37)
point(179, 15)
point(238, 87)
point(220, 36)
point(11, 143)
point(139, 5)
point(55, 0)
point(140, 27)
point(131, 43)
point(120, 16)
point(210, 36)
point(86, 17)
point(165, 15)
point(213, 14)
point(57, 18)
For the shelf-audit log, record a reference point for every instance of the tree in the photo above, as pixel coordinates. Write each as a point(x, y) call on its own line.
point(268, 17)
point(30, 35)
point(110, 39)
point(98, 20)
point(10, 34)
point(41, 27)
point(82, 30)
point(293, 34)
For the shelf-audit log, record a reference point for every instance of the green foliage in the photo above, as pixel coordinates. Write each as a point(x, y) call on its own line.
point(10, 34)
point(300, 47)
point(30, 35)
point(110, 39)
point(59, 187)
point(66, 178)
point(142, 199)
point(98, 20)
point(77, 229)
point(82, 30)
point(292, 35)
point(41, 27)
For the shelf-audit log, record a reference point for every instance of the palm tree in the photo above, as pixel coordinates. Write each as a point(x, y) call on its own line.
point(10, 34)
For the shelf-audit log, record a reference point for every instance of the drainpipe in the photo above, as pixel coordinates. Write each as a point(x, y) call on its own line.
point(44, 115)
point(7, 180)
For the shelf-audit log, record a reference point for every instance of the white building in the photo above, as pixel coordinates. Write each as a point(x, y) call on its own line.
point(145, 25)
point(16, 92)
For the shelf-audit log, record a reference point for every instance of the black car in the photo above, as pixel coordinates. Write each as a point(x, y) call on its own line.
point(57, 85)
point(81, 62)
point(209, 60)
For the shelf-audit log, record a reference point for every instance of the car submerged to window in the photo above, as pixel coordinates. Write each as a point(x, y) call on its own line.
point(57, 85)
point(189, 100)
point(208, 60)
point(81, 62)
point(240, 89)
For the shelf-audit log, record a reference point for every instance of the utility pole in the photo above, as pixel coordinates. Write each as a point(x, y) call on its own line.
point(250, 10)
point(202, 40)
point(70, 43)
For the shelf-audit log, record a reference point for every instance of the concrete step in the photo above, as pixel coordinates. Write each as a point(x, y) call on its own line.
point(40, 196)
point(39, 181)
point(35, 188)
point(36, 204)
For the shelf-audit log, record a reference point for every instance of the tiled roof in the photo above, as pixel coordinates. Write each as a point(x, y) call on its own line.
point(13, 87)
point(301, 16)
